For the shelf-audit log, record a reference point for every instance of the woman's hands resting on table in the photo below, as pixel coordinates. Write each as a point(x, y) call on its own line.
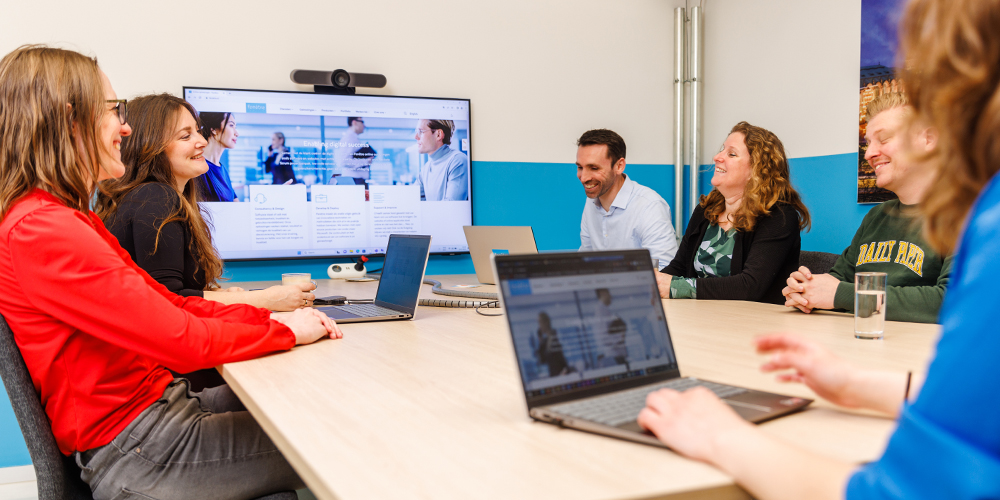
point(308, 325)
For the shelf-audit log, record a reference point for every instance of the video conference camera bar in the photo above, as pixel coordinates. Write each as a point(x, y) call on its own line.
point(337, 81)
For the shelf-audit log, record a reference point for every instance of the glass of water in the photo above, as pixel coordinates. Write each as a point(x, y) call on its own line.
point(869, 305)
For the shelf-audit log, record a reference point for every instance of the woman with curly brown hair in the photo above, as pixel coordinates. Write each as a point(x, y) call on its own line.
point(947, 441)
point(743, 238)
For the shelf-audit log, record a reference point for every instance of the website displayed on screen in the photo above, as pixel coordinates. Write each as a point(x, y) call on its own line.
point(316, 175)
point(581, 322)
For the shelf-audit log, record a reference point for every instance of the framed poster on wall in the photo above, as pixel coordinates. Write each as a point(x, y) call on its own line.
point(879, 19)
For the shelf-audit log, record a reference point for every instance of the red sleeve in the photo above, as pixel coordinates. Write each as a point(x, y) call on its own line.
point(83, 280)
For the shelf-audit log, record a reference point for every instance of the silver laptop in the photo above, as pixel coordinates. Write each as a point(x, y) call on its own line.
point(591, 341)
point(402, 273)
point(501, 240)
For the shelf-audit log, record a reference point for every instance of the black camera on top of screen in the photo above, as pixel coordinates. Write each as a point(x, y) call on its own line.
point(338, 81)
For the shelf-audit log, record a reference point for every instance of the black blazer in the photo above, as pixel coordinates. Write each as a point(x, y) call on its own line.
point(762, 258)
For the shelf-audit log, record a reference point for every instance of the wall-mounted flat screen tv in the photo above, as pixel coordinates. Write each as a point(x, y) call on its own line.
point(308, 175)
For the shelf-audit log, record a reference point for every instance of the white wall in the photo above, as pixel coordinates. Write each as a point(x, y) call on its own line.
point(789, 66)
point(538, 73)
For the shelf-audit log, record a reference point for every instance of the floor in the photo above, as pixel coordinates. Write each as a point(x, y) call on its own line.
point(28, 490)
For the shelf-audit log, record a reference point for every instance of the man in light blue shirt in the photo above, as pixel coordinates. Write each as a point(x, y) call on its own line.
point(619, 213)
point(445, 175)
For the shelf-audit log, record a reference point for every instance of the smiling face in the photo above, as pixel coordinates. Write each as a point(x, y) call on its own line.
point(186, 148)
point(595, 171)
point(885, 137)
point(110, 136)
point(428, 139)
point(227, 138)
point(732, 166)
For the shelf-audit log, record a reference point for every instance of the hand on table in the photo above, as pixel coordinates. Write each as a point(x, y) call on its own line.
point(289, 297)
point(692, 422)
point(232, 289)
point(807, 291)
point(308, 325)
point(813, 365)
point(663, 284)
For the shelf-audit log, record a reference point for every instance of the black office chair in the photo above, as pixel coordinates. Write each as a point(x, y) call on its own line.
point(818, 262)
point(58, 475)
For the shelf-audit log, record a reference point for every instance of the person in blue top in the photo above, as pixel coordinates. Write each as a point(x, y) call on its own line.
point(219, 129)
point(947, 442)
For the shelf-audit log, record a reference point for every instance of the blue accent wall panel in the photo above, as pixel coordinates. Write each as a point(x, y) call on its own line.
point(829, 188)
point(548, 197)
point(13, 452)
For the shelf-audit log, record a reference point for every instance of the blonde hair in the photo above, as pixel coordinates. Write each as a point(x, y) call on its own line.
point(885, 102)
point(769, 182)
point(952, 78)
point(44, 92)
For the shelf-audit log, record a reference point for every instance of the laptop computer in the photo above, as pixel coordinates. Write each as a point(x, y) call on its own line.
point(591, 341)
point(502, 240)
point(402, 274)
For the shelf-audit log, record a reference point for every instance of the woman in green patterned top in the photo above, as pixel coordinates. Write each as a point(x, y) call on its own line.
point(743, 235)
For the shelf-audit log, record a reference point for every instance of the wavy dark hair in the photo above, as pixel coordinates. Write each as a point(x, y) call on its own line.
point(770, 182)
point(950, 58)
point(38, 146)
point(154, 119)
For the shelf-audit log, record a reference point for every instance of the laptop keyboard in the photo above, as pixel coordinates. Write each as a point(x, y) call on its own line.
point(623, 407)
point(369, 310)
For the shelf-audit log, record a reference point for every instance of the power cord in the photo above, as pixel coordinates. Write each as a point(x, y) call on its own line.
point(495, 303)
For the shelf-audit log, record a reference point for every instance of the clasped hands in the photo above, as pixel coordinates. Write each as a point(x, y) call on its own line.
point(807, 291)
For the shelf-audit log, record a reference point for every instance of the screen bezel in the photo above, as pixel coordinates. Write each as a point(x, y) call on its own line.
point(472, 215)
point(599, 389)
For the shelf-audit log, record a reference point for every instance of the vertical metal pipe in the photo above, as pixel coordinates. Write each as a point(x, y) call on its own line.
point(695, 74)
point(680, 63)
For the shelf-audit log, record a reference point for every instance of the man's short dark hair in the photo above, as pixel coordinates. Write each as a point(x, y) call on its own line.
point(614, 142)
point(350, 120)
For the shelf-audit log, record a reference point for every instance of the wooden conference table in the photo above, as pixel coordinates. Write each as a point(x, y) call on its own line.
point(433, 408)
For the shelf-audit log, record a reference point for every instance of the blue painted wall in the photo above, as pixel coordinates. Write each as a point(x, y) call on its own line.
point(13, 452)
point(548, 197)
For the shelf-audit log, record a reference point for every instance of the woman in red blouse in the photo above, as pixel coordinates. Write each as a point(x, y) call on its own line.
point(96, 332)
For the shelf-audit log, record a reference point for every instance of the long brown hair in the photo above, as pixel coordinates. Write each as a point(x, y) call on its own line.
point(154, 119)
point(951, 51)
point(769, 182)
point(44, 91)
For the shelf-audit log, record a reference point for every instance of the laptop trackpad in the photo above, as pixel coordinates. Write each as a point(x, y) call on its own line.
point(337, 313)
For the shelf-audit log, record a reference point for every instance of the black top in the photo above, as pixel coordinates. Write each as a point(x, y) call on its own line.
point(762, 259)
point(139, 215)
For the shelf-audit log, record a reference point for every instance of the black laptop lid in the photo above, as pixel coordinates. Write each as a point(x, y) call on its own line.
point(403, 271)
point(585, 323)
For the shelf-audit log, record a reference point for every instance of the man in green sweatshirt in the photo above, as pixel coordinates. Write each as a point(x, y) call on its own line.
point(889, 239)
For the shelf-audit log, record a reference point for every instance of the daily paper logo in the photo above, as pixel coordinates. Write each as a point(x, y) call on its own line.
point(909, 254)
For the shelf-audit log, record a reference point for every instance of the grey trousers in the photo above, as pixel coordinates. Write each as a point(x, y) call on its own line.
point(189, 445)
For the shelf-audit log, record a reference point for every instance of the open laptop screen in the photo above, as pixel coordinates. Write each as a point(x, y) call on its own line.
point(583, 320)
point(402, 271)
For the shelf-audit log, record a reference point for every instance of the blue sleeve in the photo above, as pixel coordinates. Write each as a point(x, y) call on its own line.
point(947, 444)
